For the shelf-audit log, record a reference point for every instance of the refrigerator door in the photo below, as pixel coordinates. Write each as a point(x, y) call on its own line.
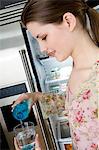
point(13, 82)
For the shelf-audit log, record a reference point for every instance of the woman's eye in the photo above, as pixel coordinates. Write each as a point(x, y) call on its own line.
point(44, 38)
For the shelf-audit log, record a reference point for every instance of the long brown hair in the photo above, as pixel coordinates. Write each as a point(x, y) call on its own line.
point(52, 11)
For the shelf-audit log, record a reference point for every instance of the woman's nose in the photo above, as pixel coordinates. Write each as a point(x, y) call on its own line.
point(43, 48)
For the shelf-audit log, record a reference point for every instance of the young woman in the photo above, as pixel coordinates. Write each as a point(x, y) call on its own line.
point(66, 28)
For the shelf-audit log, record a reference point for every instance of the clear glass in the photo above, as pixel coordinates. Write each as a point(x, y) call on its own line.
point(25, 135)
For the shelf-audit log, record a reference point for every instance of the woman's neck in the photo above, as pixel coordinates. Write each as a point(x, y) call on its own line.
point(85, 52)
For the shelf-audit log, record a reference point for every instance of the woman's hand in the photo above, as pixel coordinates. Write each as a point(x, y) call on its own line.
point(34, 97)
point(37, 144)
point(16, 144)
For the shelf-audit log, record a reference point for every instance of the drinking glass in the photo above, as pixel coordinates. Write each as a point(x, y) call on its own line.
point(25, 135)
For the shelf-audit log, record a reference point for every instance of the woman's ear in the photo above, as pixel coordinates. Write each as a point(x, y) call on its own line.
point(70, 21)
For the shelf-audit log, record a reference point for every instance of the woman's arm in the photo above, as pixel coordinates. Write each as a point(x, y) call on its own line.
point(50, 103)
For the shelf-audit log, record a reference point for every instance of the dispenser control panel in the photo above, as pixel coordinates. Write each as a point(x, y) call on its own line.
point(13, 90)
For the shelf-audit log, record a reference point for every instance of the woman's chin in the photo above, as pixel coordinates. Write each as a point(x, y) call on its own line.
point(60, 59)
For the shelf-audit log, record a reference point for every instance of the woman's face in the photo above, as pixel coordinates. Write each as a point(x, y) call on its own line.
point(53, 39)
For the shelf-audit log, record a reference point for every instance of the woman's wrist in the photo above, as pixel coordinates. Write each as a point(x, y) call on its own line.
point(37, 96)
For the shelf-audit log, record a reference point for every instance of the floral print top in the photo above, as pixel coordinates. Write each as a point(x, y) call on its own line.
point(82, 109)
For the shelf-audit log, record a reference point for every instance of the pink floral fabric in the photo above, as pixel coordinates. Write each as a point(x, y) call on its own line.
point(84, 113)
point(82, 109)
